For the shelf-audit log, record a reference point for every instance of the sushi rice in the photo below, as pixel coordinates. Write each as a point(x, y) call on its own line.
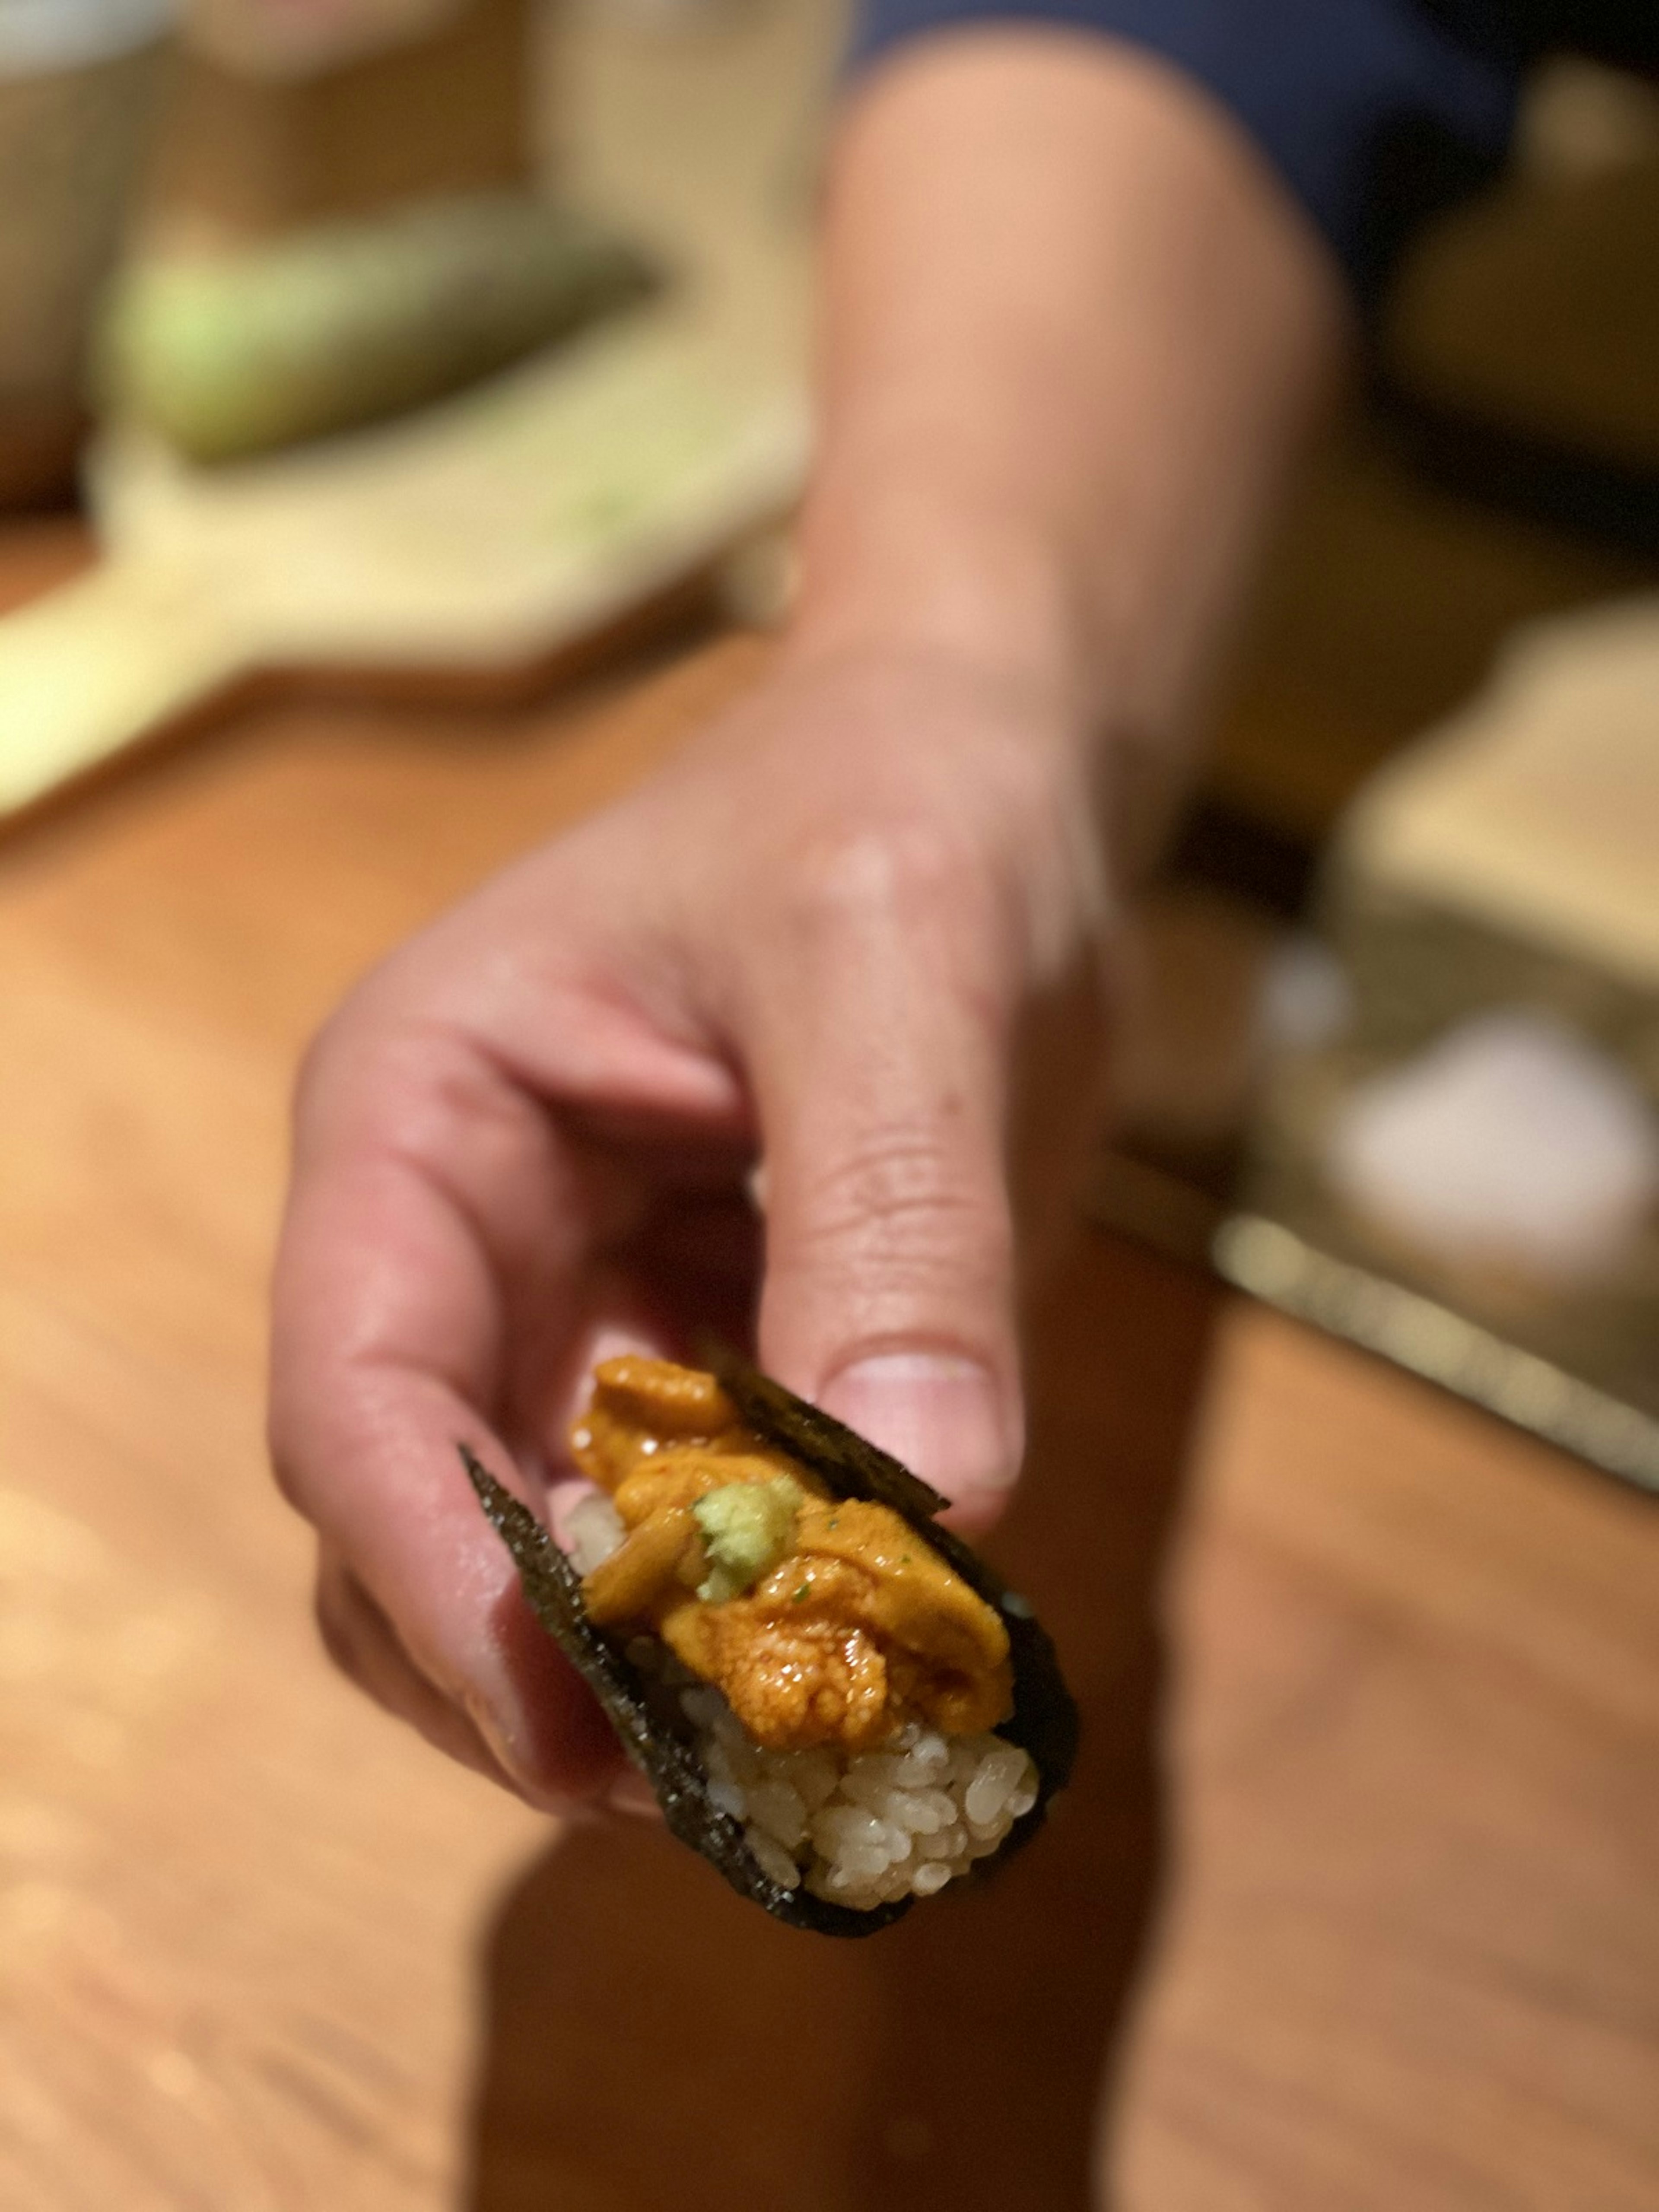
point(859, 1830)
point(865, 1830)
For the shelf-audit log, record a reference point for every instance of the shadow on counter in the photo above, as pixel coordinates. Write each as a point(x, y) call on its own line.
point(650, 2038)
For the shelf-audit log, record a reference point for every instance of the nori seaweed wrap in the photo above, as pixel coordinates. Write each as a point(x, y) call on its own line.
point(663, 1712)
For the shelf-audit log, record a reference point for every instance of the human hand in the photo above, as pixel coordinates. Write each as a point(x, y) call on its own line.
point(838, 936)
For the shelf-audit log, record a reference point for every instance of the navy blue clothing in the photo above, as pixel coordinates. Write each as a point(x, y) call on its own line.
point(1375, 111)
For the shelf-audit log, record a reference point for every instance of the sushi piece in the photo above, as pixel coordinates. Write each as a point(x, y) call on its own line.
point(837, 1703)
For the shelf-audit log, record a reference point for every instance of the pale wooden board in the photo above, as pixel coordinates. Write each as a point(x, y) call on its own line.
point(262, 1949)
point(492, 530)
point(1535, 810)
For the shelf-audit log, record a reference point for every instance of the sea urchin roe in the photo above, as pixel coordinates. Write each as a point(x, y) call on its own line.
point(821, 1621)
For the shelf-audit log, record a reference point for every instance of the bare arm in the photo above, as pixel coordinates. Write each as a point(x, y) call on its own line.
point(1071, 331)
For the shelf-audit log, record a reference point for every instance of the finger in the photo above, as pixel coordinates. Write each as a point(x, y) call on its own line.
point(691, 1272)
point(433, 1207)
point(618, 1321)
point(365, 1647)
point(876, 1046)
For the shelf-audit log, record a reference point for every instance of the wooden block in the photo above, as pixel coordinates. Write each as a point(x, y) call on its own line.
point(246, 156)
point(481, 538)
point(1536, 811)
point(1504, 868)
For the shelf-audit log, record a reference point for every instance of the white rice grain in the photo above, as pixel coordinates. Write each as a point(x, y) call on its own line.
point(703, 1707)
point(949, 1844)
point(774, 1861)
point(813, 1775)
point(993, 1783)
point(901, 1821)
point(727, 1797)
point(776, 1807)
point(593, 1529)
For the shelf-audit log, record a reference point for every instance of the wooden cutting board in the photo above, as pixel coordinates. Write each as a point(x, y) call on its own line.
point(265, 1951)
point(485, 534)
point(1503, 867)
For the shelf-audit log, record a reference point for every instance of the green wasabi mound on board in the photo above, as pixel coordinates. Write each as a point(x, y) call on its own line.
point(349, 323)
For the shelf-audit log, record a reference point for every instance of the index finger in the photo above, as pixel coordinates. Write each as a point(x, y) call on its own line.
point(434, 1210)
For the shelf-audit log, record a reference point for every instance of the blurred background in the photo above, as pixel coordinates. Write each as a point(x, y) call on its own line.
point(388, 388)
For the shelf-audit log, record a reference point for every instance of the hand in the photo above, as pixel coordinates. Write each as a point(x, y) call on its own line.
point(830, 938)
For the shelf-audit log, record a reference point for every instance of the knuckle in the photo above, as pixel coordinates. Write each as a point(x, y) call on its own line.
point(332, 1043)
point(345, 1046)
point(285, 1471)
point(336, 1626)
point(900, 1204)
point(388, 1080)
point(886, 873)
point(299, 1449)
point(362, 1642)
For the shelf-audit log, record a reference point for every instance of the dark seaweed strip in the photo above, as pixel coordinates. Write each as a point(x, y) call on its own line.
point(852, 1467)
point(553, 1588)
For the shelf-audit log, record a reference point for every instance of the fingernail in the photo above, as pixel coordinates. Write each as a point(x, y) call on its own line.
point(942, 1415)
point(631, 1793)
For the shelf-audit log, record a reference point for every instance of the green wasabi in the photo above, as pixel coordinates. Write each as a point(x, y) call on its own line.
point(747, 1527)
point(347, 323)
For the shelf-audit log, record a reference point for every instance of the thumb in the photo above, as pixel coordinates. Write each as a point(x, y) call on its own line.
point(877, 1067)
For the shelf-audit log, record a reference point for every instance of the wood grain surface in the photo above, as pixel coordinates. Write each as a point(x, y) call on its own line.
point(1354, 1904)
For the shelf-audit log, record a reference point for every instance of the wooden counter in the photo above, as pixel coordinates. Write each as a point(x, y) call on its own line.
point(261, 1949)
